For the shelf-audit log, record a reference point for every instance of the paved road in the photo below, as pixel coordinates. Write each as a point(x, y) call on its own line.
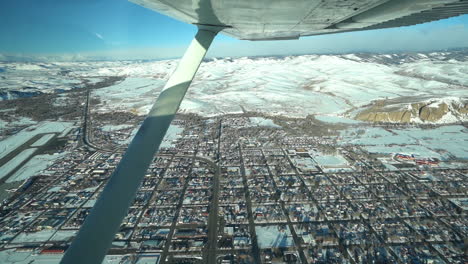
point(213, 217)
point(210, 254)
point(253, 234)
point(214, 206)
point(165, 253)
point(86, 127)
point(296, 239)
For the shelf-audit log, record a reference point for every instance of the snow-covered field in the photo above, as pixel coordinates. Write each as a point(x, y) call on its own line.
point(173, 133)
point(271, 236)
point(442, 142)
point(19, 121)
point(330, 161)
point(110, 128)
point(35, 165)
point(43, 140)
point(13, 256)
point(133, 94)
point(39, 236)
point(25, 79)
point(294, 86)
point(63, 235)
point(11, 143)
point(260, 121)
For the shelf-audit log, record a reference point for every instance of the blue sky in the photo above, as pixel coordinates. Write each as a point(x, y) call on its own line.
point(118, 29)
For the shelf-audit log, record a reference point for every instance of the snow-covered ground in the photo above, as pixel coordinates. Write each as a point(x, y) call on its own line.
point(66, 131)
point(147, 259)
point(331, 161)
point(22, 79)
point(43, 140)
point(441, 142)
point(133, 94)
point(301, 85)
point(327, 85)
point(39, 236)
point(63, 235)
point(16, 257)
point(271, 236)
point(11, 143)
point(109, 128)
point(19, 121)
point(173, 133)
point(14, 162)
point(260, 121)
point(35, 165)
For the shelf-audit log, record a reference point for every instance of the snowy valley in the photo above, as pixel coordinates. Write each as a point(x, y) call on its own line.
point(367, 87)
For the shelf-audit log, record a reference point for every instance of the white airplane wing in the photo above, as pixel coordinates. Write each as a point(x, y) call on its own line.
point(291, 19)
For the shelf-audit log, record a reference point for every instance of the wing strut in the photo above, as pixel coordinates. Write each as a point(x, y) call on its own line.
point(97, 233)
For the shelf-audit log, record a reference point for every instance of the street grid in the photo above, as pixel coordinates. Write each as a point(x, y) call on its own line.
point(211, 196)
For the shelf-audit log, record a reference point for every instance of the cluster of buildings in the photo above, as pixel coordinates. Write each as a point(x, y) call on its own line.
point(415, 160)
point(224, 191)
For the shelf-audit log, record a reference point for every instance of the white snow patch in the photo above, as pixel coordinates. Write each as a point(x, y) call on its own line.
point(21, 121)
point(273, 237)
point(65, 132)
point(11, 256)
point(440, 142)
point(40, 236)
point(330, 161)
point(34, 166)
point(109, 128)
point(131, 94)
point(63, 235)
point(173, 133)
point(352, 57)
point(43, 140)
point(260, 121)
point(113, 259)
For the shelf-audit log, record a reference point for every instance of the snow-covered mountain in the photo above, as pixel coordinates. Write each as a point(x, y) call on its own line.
point(351, 85)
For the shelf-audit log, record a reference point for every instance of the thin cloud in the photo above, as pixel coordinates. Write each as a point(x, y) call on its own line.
point(99, 36)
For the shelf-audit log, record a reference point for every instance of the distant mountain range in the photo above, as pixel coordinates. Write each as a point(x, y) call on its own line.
point(400, 87)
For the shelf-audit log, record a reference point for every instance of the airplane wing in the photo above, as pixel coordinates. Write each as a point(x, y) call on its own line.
point(244, 19)
point(291, 19)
